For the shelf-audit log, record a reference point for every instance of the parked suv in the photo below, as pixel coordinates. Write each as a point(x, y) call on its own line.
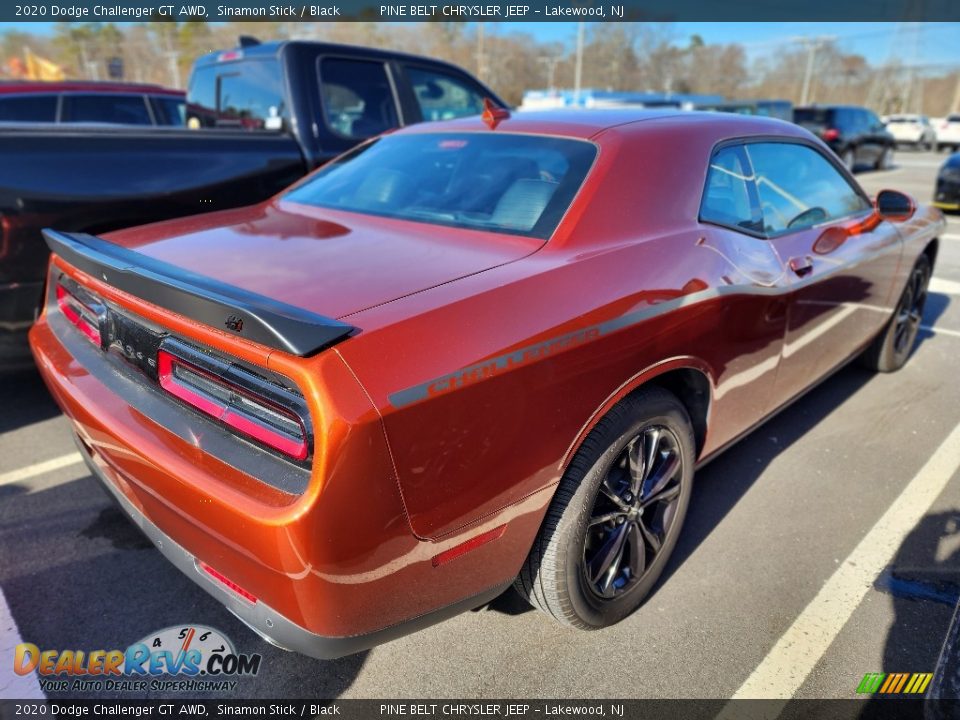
point(948, 133)
point(855, 134)
point(91, 102)
point(913, 130)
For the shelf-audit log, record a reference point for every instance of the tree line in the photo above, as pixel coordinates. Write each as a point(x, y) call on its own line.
point(616, 56)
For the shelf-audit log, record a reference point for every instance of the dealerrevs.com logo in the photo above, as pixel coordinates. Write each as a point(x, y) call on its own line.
point(177, 659)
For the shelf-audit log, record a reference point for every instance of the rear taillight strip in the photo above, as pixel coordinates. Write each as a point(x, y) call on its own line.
point(84, 318)
point(247, 403)
point(242, 401)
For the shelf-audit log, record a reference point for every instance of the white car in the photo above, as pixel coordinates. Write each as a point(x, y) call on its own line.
point(948, 133)
point(913, 130)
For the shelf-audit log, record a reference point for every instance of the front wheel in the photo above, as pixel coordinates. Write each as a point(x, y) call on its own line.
point(616, 515)
point(890, 349)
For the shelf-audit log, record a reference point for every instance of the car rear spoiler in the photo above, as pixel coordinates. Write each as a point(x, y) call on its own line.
point(208, 301)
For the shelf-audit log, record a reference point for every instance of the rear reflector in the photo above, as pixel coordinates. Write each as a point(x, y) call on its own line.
point(82, 315)
point(471, 544)
point(230, 584)
point(241, 408)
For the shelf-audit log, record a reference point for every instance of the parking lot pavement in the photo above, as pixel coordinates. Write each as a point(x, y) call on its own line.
point(824, 546)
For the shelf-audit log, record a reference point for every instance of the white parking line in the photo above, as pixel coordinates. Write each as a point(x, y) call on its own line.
point(940, 331)
point(40, 468)
point(13, 686)
point(943, 286)
point(790, 661)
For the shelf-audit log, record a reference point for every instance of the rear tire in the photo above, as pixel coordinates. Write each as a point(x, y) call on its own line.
point(849, 159)
point(606, 537)
point(890, 349)
point(885, 160)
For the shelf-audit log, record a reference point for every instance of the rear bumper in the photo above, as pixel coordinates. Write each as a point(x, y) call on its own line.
point(947, 195)
point(328, 578)
point(266, 622)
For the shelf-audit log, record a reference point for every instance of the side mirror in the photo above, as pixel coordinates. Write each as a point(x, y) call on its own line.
point(894, 205)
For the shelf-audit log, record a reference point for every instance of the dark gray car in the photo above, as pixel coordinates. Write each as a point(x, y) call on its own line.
point(855, 134)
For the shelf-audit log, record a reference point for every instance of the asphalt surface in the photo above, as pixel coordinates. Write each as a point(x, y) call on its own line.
point(776, 526)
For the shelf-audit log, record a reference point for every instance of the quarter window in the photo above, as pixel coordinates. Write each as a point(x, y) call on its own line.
point(799, 188)
point(727, 199)
point(357, 97)
point(114, 109)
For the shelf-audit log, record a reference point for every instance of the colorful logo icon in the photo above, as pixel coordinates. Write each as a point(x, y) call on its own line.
point(894, 683)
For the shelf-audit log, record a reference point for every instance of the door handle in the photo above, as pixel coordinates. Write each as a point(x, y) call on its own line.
point(801, 266)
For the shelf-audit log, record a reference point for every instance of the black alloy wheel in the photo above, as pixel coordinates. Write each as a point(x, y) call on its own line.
point(891, 348)
point(616, 515)
point(910, 310)
point(633, 512)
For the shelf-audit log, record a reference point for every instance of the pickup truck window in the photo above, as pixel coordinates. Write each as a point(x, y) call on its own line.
point(246, 94)
point(358, 100)
point(29, 108)
point(442, 96)
point(516, 184)
point(102, 108)
point(169, 111)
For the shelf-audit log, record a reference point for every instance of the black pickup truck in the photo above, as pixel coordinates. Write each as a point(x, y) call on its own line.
point(259, 117)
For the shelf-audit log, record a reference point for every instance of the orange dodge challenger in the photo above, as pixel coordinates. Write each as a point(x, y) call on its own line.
point(470, 354)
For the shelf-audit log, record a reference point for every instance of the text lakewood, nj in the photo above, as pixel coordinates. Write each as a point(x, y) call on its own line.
point(461, 11)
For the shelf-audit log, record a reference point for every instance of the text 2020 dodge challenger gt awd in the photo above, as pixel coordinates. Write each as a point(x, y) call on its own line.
point(470, 354)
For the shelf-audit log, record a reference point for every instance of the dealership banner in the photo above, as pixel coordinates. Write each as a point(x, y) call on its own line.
point(482, 10)
point(432, 709)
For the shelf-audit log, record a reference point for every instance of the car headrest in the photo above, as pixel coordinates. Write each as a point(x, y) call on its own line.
point(385, 187)
point(523, 203)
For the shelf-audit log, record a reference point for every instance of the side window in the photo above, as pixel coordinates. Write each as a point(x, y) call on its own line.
point(114, 109)
point(442, 96)
point(873, 122)
point(169, 111)
point(28, 108)
point(357, 98)
point(798, 187)
point(728, 197)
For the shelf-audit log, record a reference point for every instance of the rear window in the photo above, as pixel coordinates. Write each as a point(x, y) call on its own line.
point(246, 94)
point(517, 184)
point(813, 116)
point(102, 108)
point(28, 108)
